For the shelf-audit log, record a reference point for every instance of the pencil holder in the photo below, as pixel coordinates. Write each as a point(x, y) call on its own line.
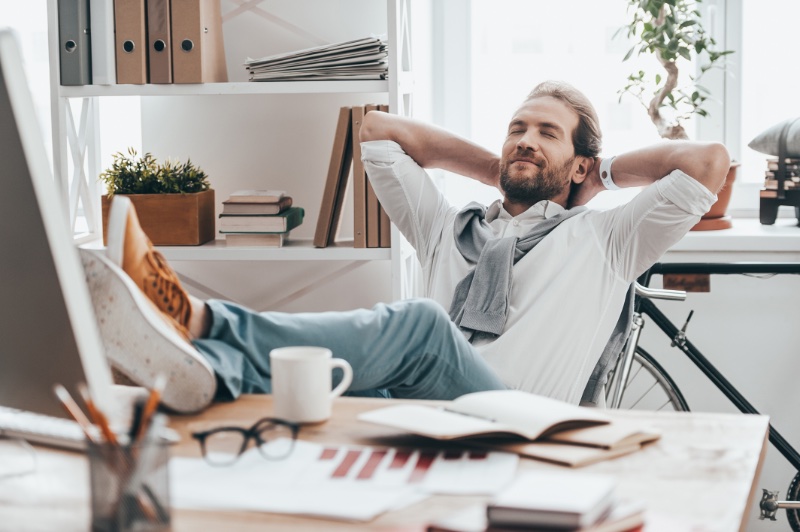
point(129, 486)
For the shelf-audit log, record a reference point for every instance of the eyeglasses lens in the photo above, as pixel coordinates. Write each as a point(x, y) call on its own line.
point(223, 447)
point(277, 441)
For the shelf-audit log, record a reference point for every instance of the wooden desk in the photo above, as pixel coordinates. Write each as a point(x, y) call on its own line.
point(701, 472)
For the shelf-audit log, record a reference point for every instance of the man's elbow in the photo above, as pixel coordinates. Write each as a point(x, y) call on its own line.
point(375, 126)
point(719, 162)
point(710, 163)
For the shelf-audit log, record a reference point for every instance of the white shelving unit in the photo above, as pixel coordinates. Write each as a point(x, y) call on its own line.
point(76, 145)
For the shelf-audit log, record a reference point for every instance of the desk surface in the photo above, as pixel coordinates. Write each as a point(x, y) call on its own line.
point(702, 472)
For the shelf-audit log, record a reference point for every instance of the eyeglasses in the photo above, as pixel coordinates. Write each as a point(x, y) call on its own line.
point(222, 446)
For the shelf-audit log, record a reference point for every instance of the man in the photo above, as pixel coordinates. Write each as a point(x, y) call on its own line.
point(545, 331)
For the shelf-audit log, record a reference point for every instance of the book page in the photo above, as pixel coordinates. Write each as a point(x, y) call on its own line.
point(531, 415)
point(433, 422)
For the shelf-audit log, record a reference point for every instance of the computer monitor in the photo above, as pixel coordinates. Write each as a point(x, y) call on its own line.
point(48, 330)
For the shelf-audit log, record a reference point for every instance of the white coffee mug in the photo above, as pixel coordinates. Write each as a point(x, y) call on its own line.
point(301, 382)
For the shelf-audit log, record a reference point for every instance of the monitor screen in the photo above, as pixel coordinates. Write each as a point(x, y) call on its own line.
point(48, 332)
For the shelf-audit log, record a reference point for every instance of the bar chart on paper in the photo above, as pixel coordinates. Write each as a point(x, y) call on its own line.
point(346, 482)
point(452, 471)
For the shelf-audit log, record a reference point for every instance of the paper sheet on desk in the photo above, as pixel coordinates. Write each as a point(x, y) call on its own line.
point(342, 482)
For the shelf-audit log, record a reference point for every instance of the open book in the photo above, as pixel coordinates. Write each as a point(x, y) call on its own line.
point(521, 422)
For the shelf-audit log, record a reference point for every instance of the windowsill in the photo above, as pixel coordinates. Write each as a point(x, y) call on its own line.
point(746, 235)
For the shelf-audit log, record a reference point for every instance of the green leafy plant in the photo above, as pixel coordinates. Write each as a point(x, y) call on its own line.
point(671, 31)
point(130, 174)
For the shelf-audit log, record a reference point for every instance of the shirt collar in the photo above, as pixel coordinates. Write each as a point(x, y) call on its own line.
point(540, 211)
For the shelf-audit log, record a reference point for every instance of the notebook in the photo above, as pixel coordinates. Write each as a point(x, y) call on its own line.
point(47, 324)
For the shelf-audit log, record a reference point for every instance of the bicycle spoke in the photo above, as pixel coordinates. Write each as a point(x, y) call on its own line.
point(651, 389)
point(642, 396)
point(638, 370)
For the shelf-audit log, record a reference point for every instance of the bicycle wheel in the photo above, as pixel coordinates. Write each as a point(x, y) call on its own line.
point(650, 387)
point(794, 495)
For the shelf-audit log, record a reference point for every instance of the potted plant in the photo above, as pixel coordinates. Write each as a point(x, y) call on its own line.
point(671, 31)
point(174, 201)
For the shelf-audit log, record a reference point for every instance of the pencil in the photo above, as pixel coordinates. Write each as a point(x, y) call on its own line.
point(75, 411)
point(152, 403)
point(97, 415)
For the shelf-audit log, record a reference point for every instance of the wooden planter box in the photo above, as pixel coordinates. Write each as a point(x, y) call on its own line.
point(172, 219)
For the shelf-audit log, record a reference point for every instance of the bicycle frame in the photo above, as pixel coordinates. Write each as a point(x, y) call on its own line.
point(648, 308)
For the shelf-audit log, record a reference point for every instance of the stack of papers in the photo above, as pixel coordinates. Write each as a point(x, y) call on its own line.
point(351, 60)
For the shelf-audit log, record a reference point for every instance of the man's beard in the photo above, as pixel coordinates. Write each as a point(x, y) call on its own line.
point(547, 184)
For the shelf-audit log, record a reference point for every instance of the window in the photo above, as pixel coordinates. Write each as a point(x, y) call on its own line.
point(769, 77)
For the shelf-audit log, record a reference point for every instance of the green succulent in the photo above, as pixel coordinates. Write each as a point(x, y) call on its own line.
point(130, 174)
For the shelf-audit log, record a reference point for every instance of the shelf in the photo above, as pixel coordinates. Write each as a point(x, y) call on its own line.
point(300, 249)
point(204, 89)
point(746, 235)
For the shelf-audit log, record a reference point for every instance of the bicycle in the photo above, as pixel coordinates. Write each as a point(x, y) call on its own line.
point(638, 381)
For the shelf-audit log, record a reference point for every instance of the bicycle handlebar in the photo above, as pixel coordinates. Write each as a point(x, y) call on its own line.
point(657, 293)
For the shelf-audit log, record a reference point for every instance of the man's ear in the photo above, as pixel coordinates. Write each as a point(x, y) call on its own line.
point(581, 168)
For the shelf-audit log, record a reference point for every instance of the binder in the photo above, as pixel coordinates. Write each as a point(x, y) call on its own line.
point(198, 51)
point(373, 207)
point(159, 44)
point(359, 184)
point(131, 56)
point(75, 55)
point(101, 23)
point(385, 225)
point(336, 184)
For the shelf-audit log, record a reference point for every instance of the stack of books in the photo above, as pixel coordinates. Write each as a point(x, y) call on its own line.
point(550, 500)
point(258, 218)
point(351, 60)
point(791, 181)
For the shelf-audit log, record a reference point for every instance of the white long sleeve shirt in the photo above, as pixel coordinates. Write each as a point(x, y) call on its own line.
point(567, 293)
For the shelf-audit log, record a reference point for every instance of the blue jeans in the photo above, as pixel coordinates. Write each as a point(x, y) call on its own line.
point(407, 349)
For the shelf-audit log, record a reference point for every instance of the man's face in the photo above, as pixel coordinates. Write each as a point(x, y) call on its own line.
point(538, 155)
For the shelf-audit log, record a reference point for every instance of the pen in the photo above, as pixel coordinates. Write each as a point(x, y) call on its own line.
point(75, 411)
point(151, 405)
point(97, 415)
point(136, 421)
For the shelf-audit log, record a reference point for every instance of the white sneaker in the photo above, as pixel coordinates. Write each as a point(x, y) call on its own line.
point(141, 342)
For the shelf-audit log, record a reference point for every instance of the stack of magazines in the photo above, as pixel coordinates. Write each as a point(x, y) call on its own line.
point(352, 60)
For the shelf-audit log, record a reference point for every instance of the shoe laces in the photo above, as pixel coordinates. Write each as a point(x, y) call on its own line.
point(164, 288)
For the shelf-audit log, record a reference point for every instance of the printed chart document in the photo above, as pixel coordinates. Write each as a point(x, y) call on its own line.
point(337, 481)
point(521, 422)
